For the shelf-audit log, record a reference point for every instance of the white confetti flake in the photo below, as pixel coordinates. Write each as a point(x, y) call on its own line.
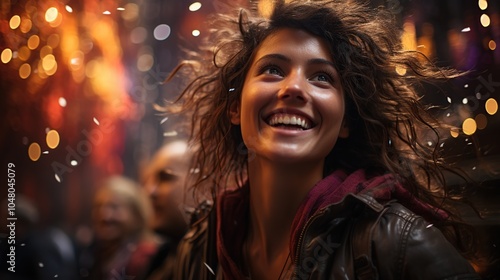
point(467, 29)
point(57, 178)
point(466, 85)
point(449, 99)
point(164, 120)
point(474, 168)
point(22, 244)
point(69, 9)
point(429, 143)
point(45, 152)
point(74, 163)
point(430, 225)
point(170, 133)
point(442, 144)
point(448, 115)
point(120, 9)
point(106, 13)
point(55, 276)
point(465, 101)
point(40, 264)
point(231, 89)
point(96, 121)
point(209, 268)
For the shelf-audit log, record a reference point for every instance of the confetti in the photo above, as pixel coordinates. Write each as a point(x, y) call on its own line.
point(442, 144)
point(74, 163)
point(164, 120)
point(96, 121)
point(106, 13)
point(62, 102)
point(466, 85)
point(45, 152)
point(467, 29)
point(55, 276)
point(449, 99)
point(231, 89)
point(170, 134)
point(120, 9)
point(210, 269)
point(473, 168)
point(40, 264)
point(430, 225)
point(69, 9)
point(465, 101)
point(429, 143)
point(57, 178)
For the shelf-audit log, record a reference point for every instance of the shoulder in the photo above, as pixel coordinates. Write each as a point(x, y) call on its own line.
point(406, 245)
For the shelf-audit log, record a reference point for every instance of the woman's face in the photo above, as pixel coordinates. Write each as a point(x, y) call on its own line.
point(292, 104)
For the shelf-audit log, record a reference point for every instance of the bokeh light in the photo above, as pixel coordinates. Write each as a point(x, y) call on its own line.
point(469, 126)
point(161, 32)
point(51, 14)
point(483, 4)
point(195, 33)
point(485, 20)
point(454, 132)
point(34, 151)
point(138, 35)
point(14, 22)
point(481, 121)
point(491, 106)
point(24, 71)
point(52, 139)
point(62, 101)
point(69, 9)
point(492, 45)
point(24, 53)
point(33, 42)
point(6, 55)
point(26, 25)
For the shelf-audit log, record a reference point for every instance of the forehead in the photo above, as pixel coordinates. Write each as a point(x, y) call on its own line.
point(294, 42)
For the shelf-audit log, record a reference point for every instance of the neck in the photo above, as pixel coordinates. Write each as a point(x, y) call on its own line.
point(276, 192)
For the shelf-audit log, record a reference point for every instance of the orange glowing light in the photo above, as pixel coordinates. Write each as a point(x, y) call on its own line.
point(34, 151)
point(6, 55)
point(33, 42)
point(481, 121)
point(14, 22)
point(469, 126)
point(51, 14)
point(491, 106)
point(24, 71)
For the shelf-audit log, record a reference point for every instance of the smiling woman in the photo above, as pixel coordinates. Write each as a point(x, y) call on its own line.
point(309, 140)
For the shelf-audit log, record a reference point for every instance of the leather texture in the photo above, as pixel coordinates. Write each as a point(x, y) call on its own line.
point(357, 238)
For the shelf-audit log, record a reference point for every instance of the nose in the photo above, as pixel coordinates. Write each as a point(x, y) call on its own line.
point(294, 87)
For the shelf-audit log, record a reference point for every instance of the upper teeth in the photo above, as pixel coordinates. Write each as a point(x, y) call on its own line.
point(289, 120)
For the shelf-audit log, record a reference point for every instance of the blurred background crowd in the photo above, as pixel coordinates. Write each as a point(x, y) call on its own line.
point(79, 85)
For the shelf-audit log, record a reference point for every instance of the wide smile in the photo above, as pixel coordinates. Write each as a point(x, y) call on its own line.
point(289, 120)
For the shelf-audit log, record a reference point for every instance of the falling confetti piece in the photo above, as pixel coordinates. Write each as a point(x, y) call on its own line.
point(474, 168)
point(69, 9)
point(74, 163)
point(55, 276)
point(170, 133)
point(164, 120)
point(448, 114)
point(430, 225)
point(40, 264)
point(429, 143)
point(467, 29)
point(442, 144)
point(449, 99)
point(465, 101)
point(45, 152)
point(57, 178)
point(120, 9)
point(210, 269)
point(106, 13)
point(96, 121)
point(231, 89)
point(22, 244)
point(466, 85)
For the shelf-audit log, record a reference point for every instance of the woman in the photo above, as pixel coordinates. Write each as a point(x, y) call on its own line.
point(121, 217)
point(305, 115)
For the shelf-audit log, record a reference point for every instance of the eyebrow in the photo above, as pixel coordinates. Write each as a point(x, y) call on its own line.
point(287, 59)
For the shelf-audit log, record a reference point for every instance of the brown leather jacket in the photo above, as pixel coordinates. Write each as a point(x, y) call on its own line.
point(357, 238)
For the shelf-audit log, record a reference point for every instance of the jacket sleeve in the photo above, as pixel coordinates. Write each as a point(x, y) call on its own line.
point(420, 250)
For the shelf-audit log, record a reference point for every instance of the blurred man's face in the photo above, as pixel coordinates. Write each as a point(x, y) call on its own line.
point(165, 185)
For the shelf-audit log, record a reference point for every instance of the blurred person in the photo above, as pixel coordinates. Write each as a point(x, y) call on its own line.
point(39, 252)
point(164, 180)
point(123, 244)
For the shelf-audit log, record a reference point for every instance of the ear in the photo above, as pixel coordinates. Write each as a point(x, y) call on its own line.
point(344, 130)
point(234, 113)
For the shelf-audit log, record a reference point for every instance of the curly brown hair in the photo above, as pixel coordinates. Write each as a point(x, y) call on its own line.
point(383, 109)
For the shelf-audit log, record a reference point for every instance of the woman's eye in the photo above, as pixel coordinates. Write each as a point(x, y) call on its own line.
point(272, 71)
point(323, 78)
